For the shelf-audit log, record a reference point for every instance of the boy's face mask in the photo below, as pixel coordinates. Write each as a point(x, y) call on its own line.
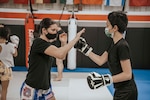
point(108, 34)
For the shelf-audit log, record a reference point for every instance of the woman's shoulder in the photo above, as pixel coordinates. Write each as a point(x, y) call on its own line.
point(38, 42)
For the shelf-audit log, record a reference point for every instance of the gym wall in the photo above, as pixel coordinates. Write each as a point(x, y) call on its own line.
point(138, 39)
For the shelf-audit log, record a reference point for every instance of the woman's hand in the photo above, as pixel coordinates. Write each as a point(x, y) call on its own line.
point(80, 33)
point(63, 38)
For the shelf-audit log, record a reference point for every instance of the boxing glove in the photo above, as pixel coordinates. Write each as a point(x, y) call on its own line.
point(96, 80)
point(15, 40)
point(60, 32)
point(83, 47)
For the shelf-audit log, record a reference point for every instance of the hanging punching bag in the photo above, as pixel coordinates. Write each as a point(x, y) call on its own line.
point(72, 30)
point(29, 29)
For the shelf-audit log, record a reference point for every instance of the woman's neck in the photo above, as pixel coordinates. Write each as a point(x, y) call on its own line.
point(44, 37)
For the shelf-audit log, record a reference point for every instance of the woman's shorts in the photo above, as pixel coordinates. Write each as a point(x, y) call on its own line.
point(29, 93)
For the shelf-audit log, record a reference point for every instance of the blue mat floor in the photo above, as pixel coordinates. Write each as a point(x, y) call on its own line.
point(141, 77)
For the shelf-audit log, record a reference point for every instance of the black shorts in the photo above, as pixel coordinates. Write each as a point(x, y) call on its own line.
point(126, 93)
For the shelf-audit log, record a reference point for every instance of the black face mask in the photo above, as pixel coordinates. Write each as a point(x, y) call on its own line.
point(51, 36)
point(60, 32)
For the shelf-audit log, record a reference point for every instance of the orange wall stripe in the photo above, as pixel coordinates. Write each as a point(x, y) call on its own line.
point(53, 16)
point(138, 18)
point(91, 17)
point(67, 16)
point(12, 15)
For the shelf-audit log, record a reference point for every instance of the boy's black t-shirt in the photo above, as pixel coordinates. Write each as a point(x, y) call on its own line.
point(117, 52)
point(40, 65)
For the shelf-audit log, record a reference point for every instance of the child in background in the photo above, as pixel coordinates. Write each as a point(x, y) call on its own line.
point(8, 50)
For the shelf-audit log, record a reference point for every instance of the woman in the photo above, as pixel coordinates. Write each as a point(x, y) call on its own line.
point(37, 85)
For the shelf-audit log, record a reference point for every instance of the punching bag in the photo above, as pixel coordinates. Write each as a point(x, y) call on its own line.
point(72, 30)
point(29, 29)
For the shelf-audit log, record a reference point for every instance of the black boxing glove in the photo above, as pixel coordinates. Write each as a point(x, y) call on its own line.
point(95, 80)
point(60, 32)
point(83, 47)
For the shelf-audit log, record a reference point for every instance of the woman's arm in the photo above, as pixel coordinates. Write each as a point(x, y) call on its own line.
point(62, 51)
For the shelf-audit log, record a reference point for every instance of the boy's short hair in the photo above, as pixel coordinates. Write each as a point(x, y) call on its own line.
point(120, 19)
